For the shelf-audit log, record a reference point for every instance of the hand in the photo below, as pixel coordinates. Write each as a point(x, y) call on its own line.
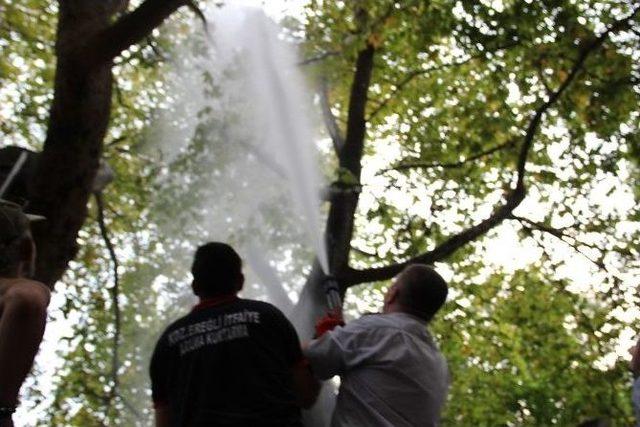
point(328, 323)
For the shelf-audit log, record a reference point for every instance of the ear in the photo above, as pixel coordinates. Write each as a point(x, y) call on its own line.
point(240, 282)
point(26, 253)
point(26, 249)
point(394, 292)
point(195, 288)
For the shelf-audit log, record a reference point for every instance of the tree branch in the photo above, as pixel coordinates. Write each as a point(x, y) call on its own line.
point(128, 30)
point(558, 234)
point(365, 253)
point(351, 152)
point(448, 247)
point(329, 119)
point(324, 55)
point(421, 72)
point(453, 165)
point(320, 57)
point(156, 50)
point(584, 53)
point(191, 4)
point(115, 295)
point(512, 199)
point(538, 226)
point(340, 221)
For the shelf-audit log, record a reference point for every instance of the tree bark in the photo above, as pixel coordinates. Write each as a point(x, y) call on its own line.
point(87, 43)
point(339, 227)
point(77, 125)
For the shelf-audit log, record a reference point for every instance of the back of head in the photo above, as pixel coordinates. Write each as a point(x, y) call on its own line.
point(14, 231)
point(422, 291)
point(217, 270)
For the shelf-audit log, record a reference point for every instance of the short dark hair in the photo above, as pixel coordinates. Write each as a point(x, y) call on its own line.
point(216, 269)
point(422, 291)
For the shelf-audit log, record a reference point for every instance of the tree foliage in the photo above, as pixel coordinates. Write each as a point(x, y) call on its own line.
point(466, 124)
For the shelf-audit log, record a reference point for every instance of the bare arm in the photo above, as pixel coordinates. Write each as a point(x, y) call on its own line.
point(162, 416)
point(23, 313)
point(305, 385)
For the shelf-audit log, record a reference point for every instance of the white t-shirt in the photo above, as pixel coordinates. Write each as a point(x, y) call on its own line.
point(392, 373)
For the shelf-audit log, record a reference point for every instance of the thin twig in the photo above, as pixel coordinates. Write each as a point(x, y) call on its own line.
point(115, 294)
point(424, 71)
point(320, 57)
point(453, 165)
point(329, 118)
point(558, 234)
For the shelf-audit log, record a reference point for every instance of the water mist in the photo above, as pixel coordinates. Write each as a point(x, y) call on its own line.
point(247, 139)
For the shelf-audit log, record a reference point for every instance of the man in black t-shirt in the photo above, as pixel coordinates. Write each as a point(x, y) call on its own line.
point(231, 361)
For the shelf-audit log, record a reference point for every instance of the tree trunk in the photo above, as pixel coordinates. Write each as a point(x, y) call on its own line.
point(340, 222)
point(78, 123)
point(87, 43)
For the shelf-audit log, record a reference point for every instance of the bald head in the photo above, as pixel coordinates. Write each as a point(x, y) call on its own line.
point(420, 291)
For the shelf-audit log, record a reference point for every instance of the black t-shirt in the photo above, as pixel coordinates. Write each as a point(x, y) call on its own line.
point(228, 364)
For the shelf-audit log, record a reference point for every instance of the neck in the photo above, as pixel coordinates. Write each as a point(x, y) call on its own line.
point(212, 301)
point(396, 308)
point(15, 272)
point(393, 308)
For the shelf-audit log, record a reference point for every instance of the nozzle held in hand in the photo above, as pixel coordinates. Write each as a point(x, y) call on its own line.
point(332, 291)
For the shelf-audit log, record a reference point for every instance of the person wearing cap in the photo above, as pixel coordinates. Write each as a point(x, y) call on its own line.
point(230, 361)
point(23, 306)
point(392, 372)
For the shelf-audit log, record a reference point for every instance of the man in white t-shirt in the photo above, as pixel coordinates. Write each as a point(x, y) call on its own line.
point(392, 372)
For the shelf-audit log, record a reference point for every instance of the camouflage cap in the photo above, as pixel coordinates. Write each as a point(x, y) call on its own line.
point(14, 223)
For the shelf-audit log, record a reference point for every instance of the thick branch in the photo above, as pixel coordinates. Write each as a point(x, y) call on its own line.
point(586, 50)
point(129, 30)
point(329, 119)
point(514, 196)
point(351, 153)
point(340, 222)
point(442, 251)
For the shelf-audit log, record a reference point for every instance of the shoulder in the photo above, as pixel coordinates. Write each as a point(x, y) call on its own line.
point(371, 321)
point(269, 314)
point(359, 329)
point(373, 327)
point(263, 307)
point(25, 291)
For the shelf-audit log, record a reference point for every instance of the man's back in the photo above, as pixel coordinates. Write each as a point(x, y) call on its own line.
point(392, 373)
point(228, 364)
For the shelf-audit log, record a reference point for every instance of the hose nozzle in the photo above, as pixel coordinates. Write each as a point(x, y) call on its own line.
point(332, 291)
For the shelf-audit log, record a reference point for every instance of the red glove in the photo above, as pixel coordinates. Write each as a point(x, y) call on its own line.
point(327, 323)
